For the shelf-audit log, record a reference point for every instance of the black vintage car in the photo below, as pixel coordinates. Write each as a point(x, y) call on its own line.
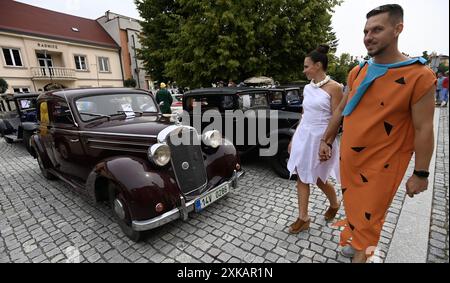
point(245, 131)
point(287, 98)
point(117, 146)
point(18, 117)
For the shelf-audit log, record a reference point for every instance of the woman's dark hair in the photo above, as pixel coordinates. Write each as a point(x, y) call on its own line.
point(320, 55)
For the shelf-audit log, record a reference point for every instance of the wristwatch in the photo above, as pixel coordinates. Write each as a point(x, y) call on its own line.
point(421, 173)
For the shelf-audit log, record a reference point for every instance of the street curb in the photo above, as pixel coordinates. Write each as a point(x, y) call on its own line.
point(411, 236)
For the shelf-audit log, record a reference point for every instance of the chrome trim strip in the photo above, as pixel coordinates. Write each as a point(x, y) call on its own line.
point(162, 136)
point(179, 212)
point(119, 149)
point(106, 134)
point(118, 134)
point(120, 143)
point(71, 113)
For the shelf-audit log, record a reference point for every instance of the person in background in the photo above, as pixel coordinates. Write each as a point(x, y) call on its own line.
point(439, 88)
point(444, 91)
point(164, 99)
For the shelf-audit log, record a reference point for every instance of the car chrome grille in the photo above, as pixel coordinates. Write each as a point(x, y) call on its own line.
point(187, 163)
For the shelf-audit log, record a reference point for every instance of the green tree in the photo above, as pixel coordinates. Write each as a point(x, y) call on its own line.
point(130, 83)
point(3, 85)
point(340, 67)
point(443, 68)
point(196, 42)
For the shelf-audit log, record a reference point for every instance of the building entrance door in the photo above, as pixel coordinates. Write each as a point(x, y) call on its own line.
point(46, 64)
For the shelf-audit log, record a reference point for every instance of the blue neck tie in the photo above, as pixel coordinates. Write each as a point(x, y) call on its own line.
point(374, 72)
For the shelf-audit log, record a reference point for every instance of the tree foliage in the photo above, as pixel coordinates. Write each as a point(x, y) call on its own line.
point(130, 83)
point(340, 67)
point(196, 42)
point(3, 85)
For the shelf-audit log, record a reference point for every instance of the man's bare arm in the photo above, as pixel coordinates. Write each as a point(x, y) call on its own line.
point(423, 117)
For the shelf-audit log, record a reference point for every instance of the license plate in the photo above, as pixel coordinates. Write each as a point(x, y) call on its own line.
point(211, 197)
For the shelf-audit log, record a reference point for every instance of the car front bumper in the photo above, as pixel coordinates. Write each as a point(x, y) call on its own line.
point(183, 210)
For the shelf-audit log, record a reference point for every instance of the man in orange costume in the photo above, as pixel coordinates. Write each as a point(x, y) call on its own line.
point(388, 116)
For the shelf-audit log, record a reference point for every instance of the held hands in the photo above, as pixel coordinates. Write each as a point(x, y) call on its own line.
point(324, 151)
point(416, 185)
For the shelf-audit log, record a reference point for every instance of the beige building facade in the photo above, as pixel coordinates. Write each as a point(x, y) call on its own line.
point(40, 62)
point(53, 49)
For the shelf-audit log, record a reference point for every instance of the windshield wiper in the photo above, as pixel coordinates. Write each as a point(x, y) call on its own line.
point(125, 112)
point(96, 115)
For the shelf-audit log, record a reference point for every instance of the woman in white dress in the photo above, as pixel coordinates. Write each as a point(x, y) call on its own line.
point(321, 98)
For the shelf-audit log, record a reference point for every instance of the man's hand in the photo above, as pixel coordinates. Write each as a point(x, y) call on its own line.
point(324, 151)
point(416, 185)
point(289, 147)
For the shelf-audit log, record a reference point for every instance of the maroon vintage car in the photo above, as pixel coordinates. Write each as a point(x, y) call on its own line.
point(116, 144)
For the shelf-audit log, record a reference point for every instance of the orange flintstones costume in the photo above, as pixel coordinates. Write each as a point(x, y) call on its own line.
point(377, 146)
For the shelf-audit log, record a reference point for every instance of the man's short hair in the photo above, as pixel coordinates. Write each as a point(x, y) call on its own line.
point(395, 12)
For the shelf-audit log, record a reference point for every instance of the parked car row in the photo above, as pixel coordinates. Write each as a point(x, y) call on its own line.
point(116, 145)
point(18, 117)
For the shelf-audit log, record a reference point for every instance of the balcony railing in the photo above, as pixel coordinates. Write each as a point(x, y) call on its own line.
point(53, 73)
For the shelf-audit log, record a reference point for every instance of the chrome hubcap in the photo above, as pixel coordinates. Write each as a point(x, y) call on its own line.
point(118, 209)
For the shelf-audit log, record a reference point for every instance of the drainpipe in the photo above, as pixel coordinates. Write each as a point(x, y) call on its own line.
point(135, 59)
point(121, 64)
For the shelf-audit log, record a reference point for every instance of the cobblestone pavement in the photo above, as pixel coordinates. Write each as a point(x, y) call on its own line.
point(438, 247)
point(47, 221)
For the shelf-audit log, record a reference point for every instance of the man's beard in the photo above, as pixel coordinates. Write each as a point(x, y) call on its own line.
point(377, 52)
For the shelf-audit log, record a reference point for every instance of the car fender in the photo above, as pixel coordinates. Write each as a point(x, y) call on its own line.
point(276, 135)
point(5, 128)
point(38, 148)
point(221, 162)
point(142, 185)
point(2, 128)
point(29, 126)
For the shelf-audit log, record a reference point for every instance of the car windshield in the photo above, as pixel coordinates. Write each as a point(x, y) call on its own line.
point(127, 104)
point(292, 96)
point(27, 103)
point(253, 100)
point(210, 102)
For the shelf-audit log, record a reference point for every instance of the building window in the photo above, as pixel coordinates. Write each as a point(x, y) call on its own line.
point(103, 64)
point(80, 63)
point(21, 89)
point(12, 57)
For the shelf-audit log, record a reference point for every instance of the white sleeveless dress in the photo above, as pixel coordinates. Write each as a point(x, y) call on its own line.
point(304, 159)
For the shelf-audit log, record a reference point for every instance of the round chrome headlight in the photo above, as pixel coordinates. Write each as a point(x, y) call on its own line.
point(212, 138)
point(159, 154)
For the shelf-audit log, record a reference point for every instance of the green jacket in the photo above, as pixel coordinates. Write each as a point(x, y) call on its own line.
point(164, 96)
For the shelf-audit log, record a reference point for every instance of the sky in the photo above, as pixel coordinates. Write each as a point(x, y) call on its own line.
point(426, 21)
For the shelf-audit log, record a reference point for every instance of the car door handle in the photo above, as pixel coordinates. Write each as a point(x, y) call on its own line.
point(74, 140)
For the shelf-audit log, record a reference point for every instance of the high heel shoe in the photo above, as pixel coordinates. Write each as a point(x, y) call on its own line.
point(330, 214)
point(299, 225)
